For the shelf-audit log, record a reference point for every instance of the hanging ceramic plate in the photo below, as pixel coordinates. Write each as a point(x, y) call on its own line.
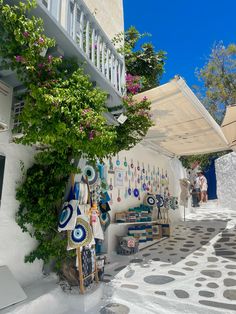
point(81, 235)
point(150, 200)
point(129, 191)
point(90, 173)
point(144, 186)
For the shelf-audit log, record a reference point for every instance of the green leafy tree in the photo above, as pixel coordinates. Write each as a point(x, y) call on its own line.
point(219, 79)
point(144, 62)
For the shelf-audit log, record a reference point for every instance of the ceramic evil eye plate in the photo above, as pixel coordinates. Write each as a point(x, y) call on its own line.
point(91, 174)
point(81, 235)
point(150, 200)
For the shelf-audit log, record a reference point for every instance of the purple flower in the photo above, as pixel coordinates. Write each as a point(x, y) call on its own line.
point(144, 98)
point(41, 40)
point(40, 65)
point(19, 58)
point(26, 34)
point(50, 57)
point(91, 135)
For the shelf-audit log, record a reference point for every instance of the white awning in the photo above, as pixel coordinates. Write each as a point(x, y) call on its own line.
point(229, 126)
point(183, 126)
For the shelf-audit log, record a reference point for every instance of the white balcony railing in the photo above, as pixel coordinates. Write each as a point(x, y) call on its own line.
point(90, 38)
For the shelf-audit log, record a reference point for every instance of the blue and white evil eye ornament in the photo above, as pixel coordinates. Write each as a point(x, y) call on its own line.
point(81, 235)
point(91, 174)
point(159, 200)
point(67, 219)
point(149, 200)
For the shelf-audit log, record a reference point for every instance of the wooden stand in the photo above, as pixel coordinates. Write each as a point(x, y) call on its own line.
point(81, 275)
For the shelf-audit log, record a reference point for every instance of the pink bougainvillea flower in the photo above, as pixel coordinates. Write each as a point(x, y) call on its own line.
point(19, 58)
point(50, 57)
point(40, 65)
point(144, 98)
point(41, 40)
point(91, 135)
point(26, 34)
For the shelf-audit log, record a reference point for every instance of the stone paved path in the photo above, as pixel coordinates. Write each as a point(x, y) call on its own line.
point(194, 271)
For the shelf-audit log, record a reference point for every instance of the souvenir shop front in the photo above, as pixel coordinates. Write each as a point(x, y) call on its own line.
point(132, 200)
point(119, 207)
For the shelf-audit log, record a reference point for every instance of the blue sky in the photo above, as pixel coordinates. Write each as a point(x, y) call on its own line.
point(185, 29)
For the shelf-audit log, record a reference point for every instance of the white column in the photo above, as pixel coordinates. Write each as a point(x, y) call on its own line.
point(98, 51)
point(74, 21)
point(93, 45)
point(103, 57)
point(107, 64)
point(115, 73)
point(81, 30)
point(119, 78)
point(87, 38)
point(112, 68)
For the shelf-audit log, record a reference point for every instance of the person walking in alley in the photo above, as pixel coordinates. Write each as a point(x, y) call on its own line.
point(203, 186)
point(196, 192)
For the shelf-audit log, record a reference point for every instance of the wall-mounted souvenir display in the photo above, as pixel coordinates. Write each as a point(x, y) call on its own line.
point(119, 177)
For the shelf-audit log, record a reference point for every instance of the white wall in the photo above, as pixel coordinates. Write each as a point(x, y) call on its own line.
point(140, 153)
point(226, 180)
point(109, 14)
point(14, 244)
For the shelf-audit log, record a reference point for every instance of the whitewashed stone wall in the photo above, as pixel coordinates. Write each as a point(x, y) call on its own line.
point(226, 180)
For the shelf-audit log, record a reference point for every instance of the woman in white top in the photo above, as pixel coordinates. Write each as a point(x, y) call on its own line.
point(203, 186)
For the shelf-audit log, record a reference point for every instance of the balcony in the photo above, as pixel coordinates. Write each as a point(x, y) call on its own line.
point(77, 33)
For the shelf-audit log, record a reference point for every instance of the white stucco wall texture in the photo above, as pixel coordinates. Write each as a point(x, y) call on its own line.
point(109, 14)
point(226, 180)
point(14, 244)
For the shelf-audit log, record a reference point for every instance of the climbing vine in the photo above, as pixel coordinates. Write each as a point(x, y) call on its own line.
point(64, 116)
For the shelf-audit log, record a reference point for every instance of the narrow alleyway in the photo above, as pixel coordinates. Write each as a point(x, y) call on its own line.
point(194, 271)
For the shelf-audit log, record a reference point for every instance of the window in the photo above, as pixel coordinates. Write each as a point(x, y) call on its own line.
point(2, 166)
point(17, 110)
